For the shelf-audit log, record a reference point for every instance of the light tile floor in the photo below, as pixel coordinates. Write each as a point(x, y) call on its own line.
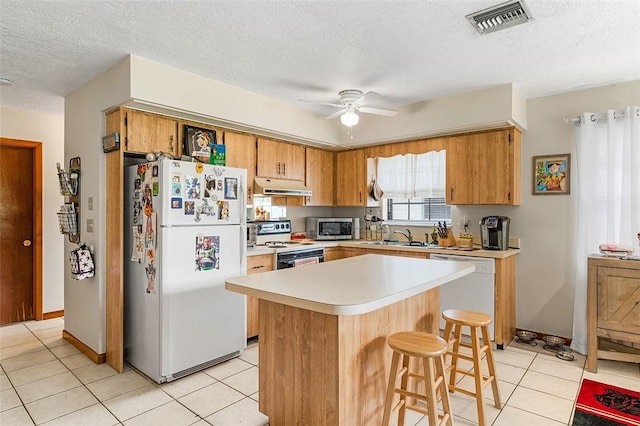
point(45, 380)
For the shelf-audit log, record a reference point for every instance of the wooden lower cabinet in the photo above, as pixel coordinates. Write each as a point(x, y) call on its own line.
point(335, 253)
point(323, 369)
point(613, 310)
point(256, 264)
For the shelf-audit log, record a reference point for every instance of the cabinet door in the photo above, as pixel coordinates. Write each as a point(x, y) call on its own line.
point(619, 300)
point(280, 160)
point(484, 168)
point(151, 133)
point(350, 178)
point(241, 153)
point(269, 164)
point(319, 177)
point(293, 166)
point(256, 264)
point(401, 253)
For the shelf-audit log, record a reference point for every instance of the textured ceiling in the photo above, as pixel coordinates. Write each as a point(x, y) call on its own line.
point(407, 51)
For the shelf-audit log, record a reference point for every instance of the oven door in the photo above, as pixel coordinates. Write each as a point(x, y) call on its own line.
point(294, 258)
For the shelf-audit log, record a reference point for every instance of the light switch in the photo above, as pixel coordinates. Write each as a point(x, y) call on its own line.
point(90, 203)
point(89, 225)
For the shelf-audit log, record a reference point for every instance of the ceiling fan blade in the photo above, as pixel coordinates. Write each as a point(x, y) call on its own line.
point(321, 103)
point(336, 114)
point(378, 111)
point(363, 98)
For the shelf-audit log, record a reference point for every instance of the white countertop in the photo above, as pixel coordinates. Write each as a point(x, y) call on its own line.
point(350, 286)
point(370, 245)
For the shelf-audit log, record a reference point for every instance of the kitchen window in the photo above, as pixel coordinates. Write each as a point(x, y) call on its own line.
point(429, 209)
point(413, 186)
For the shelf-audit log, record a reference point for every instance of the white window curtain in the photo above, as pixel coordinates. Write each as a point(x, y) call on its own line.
point(394, 176)
point(608, 187)
point(429, 174)
point(412, 176)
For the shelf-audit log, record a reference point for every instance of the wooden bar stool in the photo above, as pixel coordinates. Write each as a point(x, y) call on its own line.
point(430, 349)
point(477, 322)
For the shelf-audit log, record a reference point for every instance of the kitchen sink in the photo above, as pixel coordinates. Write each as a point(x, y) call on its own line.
point(380, 243)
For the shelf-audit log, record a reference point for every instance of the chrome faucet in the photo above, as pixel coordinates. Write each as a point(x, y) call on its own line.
point(408, 235)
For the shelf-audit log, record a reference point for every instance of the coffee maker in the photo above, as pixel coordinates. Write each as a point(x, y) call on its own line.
point(494, 233)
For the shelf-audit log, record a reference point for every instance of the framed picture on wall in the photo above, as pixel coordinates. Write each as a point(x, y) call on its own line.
point(551, 174)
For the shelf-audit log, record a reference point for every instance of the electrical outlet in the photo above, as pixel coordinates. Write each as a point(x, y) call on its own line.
point(89, 225)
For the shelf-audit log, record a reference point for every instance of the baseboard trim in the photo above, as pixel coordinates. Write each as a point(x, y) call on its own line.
point(53, 314)
point(90, 353)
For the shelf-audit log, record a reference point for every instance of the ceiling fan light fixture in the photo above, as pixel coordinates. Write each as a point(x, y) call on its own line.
point(349, 118)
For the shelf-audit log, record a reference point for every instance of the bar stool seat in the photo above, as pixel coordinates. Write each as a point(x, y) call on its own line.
point(478, 323)
point(429, 349)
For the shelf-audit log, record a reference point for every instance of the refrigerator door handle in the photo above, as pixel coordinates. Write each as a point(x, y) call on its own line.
point(243, 248)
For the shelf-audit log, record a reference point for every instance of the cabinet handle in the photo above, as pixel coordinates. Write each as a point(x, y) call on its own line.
point(278, 169)
point(257, 267)
point(284, 169)
point(451, 194)
point(171, 143)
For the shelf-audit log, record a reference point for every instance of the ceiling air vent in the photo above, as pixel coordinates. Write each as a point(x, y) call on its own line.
point(498, 17)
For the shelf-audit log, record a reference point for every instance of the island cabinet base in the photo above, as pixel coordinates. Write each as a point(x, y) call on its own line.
point(322, 369)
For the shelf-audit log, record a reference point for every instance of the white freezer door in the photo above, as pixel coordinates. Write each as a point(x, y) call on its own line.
point(200, 194)
point(200, 319)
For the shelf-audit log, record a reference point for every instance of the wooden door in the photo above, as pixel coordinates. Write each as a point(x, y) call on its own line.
point(20, 231)
point(241, 153)
point(350, 178)
point(319, 177)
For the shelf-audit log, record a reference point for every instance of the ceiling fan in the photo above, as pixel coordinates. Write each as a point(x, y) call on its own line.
point(351, 103)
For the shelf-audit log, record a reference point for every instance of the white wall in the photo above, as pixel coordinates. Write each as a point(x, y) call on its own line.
point(481, 109)
point(84, 301)
point(48, 129)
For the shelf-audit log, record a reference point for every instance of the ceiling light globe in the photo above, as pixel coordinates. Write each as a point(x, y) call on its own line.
point(349, 118)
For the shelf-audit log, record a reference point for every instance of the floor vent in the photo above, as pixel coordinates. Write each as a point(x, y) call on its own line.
point(501, 16)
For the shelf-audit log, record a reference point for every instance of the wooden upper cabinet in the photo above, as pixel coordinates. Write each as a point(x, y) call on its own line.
point(280, 160)
point(351, 184)
point(484, 168)
point(241, 153)
point(151, 133)
point(319, 177)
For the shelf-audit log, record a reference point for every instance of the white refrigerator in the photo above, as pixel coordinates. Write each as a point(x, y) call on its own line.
point(185, 233)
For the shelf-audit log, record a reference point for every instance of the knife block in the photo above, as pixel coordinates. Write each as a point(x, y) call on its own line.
point(449, 241)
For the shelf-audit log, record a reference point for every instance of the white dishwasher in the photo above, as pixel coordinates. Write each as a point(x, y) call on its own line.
point(474, 291)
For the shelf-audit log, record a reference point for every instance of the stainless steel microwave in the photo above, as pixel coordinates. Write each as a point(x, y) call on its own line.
point(330, 228)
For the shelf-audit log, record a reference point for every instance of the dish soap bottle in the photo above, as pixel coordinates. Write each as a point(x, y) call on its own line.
point(434, 236)
point(386, 233)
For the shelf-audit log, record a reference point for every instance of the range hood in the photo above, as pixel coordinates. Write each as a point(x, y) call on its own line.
point(280, 187)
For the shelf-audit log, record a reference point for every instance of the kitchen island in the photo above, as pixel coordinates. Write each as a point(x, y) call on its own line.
point(323, 356)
